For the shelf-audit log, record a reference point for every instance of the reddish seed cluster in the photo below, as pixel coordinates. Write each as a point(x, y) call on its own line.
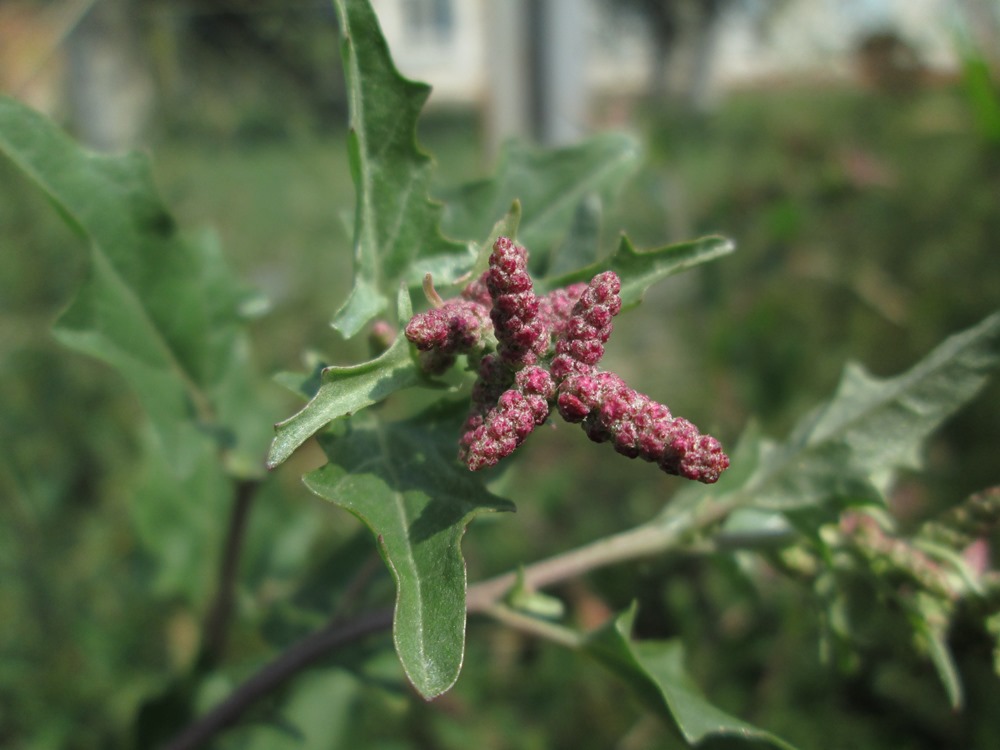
point(442, 333)
point(521, 334)
point(517, 412)
point(557, 306)
point(581, 345)
point(639, 427)
point(518, 386)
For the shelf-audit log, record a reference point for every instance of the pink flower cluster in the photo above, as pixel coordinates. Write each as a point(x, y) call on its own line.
point(547, 351)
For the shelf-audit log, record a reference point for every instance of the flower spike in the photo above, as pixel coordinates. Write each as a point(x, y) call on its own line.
point(547, 354)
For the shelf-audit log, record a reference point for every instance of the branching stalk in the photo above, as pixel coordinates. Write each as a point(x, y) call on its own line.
point(484, 598)
point(550, 631)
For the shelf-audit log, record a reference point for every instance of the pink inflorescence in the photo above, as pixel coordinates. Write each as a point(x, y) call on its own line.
point(442, 333)
point(518, 410)
point(638, 427)
point(547, 353)
point(521, 334)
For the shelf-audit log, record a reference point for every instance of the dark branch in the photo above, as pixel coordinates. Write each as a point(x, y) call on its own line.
point(217, 624)
point(637, 543)
point(299, 656)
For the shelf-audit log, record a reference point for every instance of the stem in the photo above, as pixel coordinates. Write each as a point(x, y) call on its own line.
point(485, 598)
point(550, 631)
point(217, 623)
point(635, 544)
point(431, 293)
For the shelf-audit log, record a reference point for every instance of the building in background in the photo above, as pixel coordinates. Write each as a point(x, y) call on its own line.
point(552, 69)
point(587, 58)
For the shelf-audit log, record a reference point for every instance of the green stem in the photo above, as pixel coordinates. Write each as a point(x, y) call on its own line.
point(487, 598)
point(641, 542)
point(550, 631)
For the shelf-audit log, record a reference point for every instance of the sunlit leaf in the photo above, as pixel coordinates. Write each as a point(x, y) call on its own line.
point(346, 390)
point(640, 270)
point(395, 223)
point(403, 481)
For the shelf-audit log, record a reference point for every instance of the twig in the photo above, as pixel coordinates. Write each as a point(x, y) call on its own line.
point(635, 544)
point(550, 631)
point(219, 616)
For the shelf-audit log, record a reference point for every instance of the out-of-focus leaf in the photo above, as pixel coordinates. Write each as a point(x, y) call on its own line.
point(982, 96)
point(305, 384)
point(506, 226)
point(930, 617)
point(403, 481)
point(654, 670)
point(639, 271)
point(993, 628)
point(582, 243)
point(848, 449)
point(395, 223)
point(843, 453)
point(346, 390)
point(179, 519)
point(315, 715)
point(961, 525)
point(549, 184)
point(162, 310)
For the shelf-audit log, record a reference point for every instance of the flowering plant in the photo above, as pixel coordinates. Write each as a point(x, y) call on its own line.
point(163, 310)
point(519, 383)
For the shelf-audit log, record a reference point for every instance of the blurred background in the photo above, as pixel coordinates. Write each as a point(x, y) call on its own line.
point(850, 148)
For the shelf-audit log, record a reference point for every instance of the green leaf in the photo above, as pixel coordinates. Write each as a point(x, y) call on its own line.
point(639, 271)
point(315, 714)
point(395, 223)
point(582, 244)
point(959, 526)
point(549, 184)
point(404, 482)
point(345, 390)
point(992, 624)
point(930, 617)
point(506, 226)
point(163, 310)
point(654, 670)
point(849, 448)
point(179, 519)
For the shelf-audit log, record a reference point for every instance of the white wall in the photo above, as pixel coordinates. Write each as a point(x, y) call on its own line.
point(809, 37)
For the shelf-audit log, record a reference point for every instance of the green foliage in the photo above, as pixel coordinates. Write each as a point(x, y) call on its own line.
point(164, 311)
point(170, 323)
point(639, 271)
point(551, 184)
point(345, 390)
point(847, 451)
point(399, 478)
point(393, 227)
point(655, 672)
